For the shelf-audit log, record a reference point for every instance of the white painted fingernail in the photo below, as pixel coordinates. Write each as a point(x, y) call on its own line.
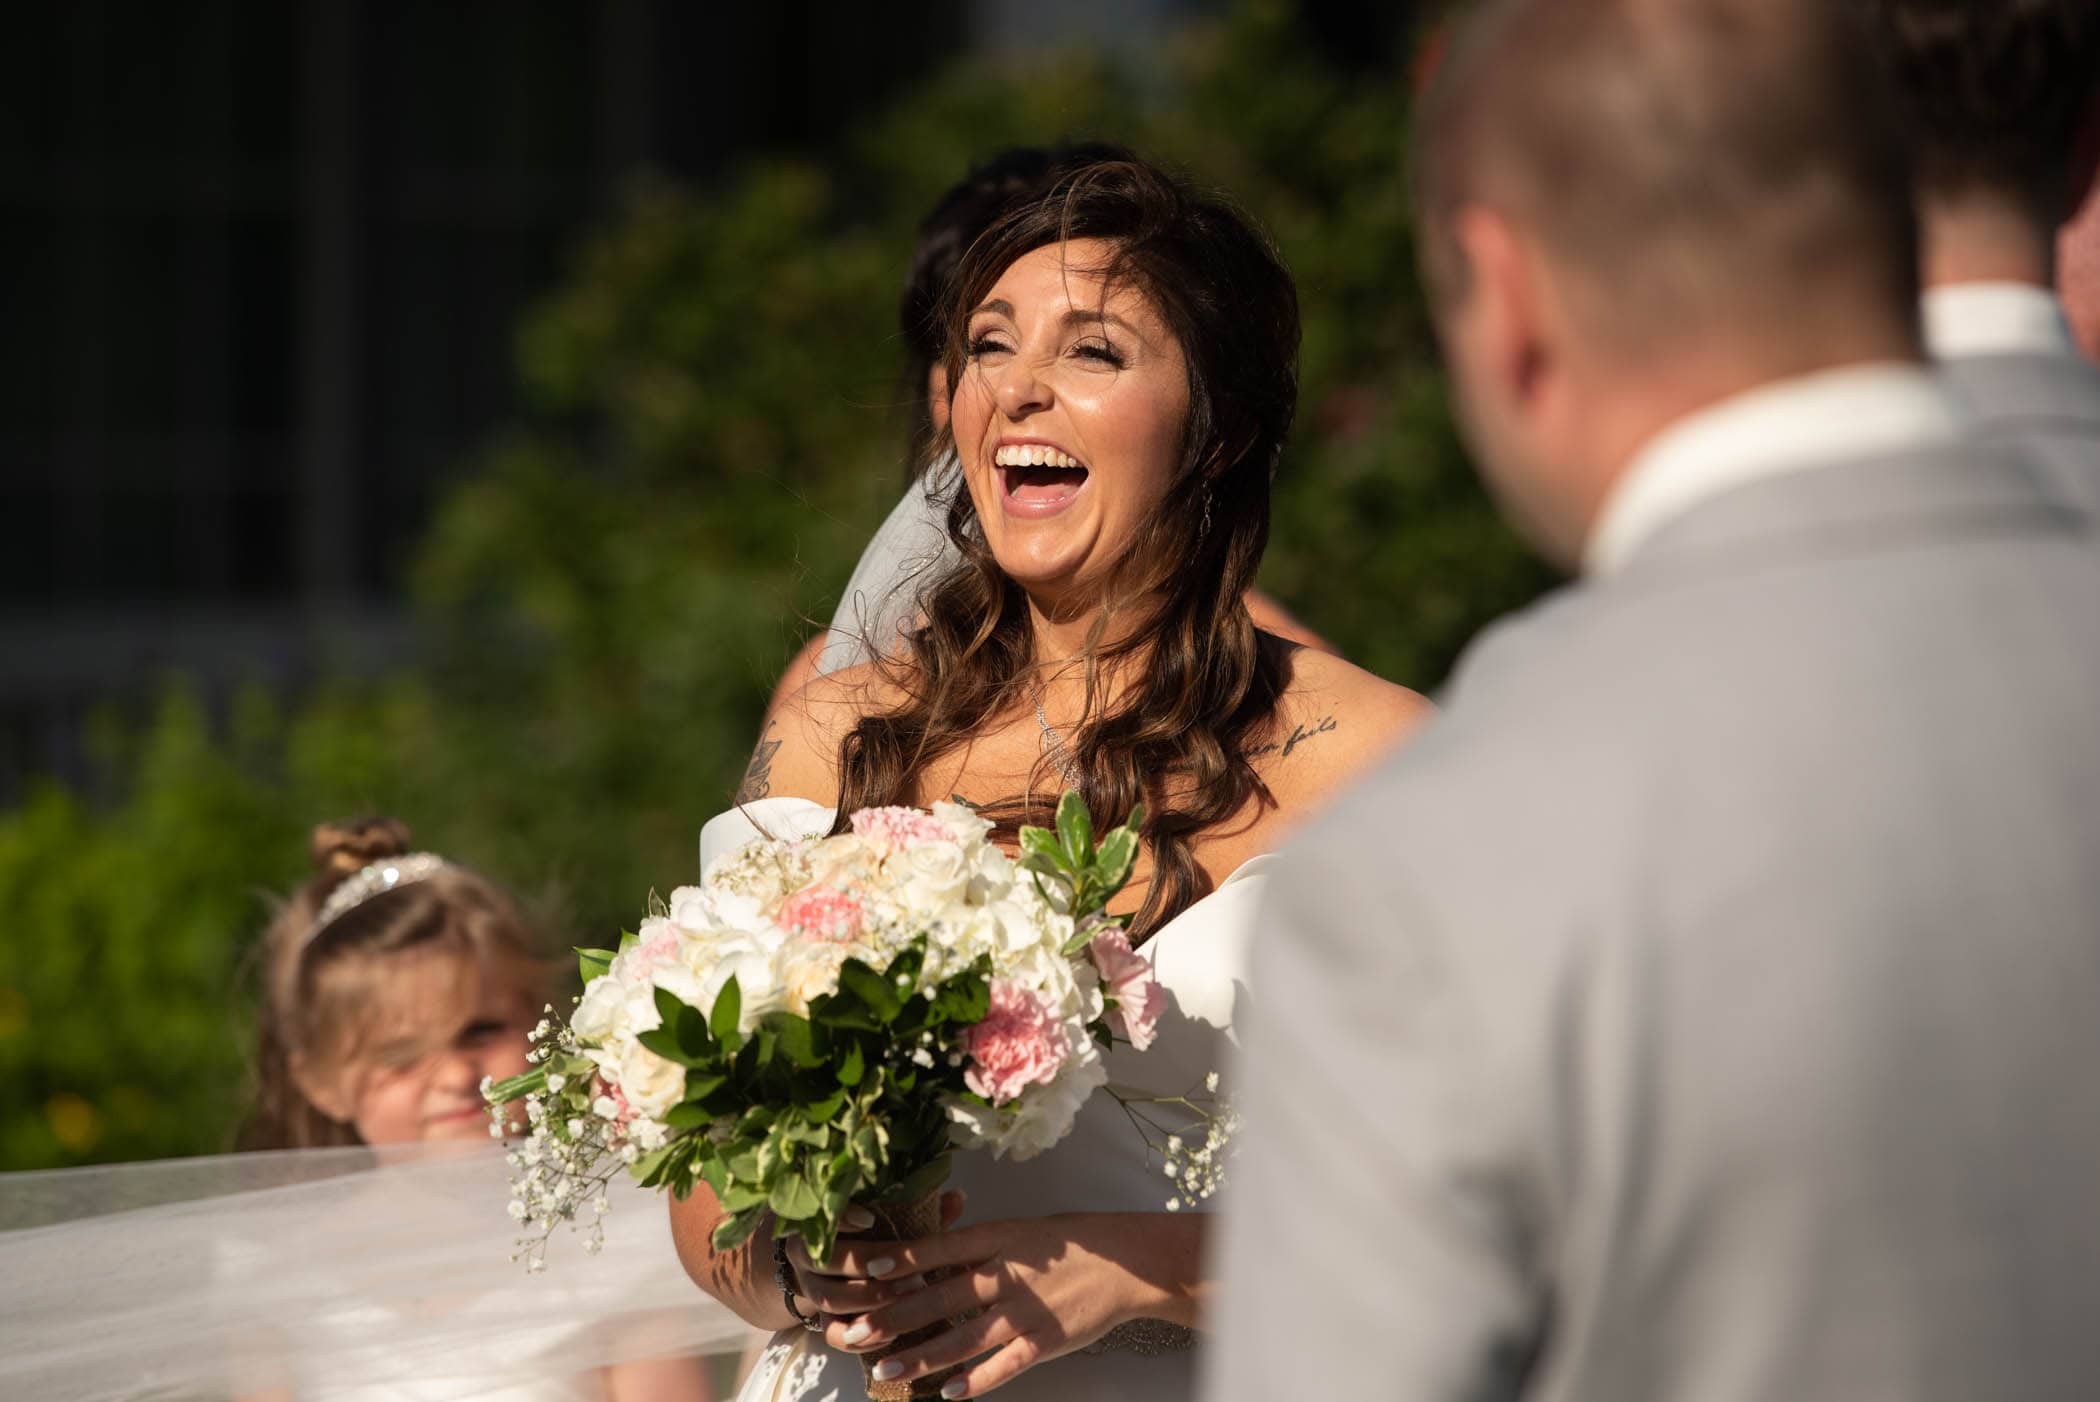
point(882, 1265)
point(885, 1370)
point(857, 1219)
point(857, 1331)
point(955, 1387)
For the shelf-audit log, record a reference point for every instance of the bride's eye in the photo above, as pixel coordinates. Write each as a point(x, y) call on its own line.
point(986, 343)
point(1100, 351)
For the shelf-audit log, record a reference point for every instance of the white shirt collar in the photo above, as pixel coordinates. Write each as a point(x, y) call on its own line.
point(1825, 419)
point(1995, 318)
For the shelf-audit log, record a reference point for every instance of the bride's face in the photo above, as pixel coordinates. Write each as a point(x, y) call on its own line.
point(1068, 417)
point(406, 1090)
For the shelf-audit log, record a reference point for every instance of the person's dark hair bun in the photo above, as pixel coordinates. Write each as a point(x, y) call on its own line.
point(342, 849)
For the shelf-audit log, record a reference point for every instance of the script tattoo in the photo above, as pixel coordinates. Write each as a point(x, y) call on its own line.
point(1298, 736)
point(758, 776)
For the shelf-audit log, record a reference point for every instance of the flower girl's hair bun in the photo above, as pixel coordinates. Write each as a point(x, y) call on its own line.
point(345, 849)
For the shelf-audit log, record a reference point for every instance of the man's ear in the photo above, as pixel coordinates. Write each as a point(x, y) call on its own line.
point(328, 1094)
point(2085, 160)
point(1507, 330)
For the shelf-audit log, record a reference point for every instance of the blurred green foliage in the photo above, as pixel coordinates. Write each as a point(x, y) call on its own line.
point(712, 423)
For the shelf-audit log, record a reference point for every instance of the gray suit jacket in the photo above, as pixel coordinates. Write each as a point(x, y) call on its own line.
point(1706, 1008)
point(2048, 405)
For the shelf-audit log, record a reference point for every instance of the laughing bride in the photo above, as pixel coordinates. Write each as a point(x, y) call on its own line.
point(1123, 351)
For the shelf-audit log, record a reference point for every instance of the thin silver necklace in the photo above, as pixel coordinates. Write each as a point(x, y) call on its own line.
point(1054, 744)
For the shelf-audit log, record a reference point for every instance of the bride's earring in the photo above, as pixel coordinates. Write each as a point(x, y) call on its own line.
point(1203, 531)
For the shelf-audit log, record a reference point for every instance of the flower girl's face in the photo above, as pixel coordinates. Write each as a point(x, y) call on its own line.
point(408, 1086)
point(1069, 417)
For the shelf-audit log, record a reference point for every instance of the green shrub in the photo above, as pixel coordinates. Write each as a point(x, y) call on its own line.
point(710, 426)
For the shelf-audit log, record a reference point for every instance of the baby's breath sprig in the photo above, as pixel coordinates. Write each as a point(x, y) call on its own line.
point(575, 1145)
point(1196, 1169)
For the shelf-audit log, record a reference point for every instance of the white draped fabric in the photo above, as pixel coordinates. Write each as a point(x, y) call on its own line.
point(335, 1273)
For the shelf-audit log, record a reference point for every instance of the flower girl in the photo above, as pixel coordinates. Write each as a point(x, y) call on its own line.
point(394, 982)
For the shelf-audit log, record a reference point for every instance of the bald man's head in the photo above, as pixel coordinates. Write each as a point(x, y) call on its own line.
point(1692, 168)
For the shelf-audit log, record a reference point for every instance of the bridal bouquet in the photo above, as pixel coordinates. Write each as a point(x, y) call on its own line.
point(821, 1021)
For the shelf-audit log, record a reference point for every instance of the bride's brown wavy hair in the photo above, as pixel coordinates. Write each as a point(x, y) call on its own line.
point(1205, 684)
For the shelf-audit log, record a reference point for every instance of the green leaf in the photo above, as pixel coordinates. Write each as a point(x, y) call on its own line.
point(593, 962)
point(645, 1168)
point(965, 1000)
point(1040, 851)
point(852, 1066)
point(729, 1008)
point(701, 1084)
point(735, 1231)
point(816, 1136)
point(688, 1116)
point(666, 1044)
point(684, 1023)
point(741, 1197)
point(1075, 828)
point(772, 1157)
point(1118, 853)
point(872, 989)
point(628, 940)
point(792, 1197)
point(798, 1040)
point(920, 1181)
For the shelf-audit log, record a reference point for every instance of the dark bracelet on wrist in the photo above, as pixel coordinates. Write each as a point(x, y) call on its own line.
point(784, 1277)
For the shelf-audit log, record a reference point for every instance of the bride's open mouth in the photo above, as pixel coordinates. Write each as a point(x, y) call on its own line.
point(1037, 479)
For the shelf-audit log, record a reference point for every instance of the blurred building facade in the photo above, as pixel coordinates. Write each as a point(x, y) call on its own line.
point(264, 260)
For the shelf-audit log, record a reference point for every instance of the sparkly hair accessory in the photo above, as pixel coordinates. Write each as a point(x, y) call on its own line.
point(377, 879)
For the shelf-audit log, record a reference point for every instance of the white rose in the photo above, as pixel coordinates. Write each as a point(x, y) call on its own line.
point(689, 907)
point(964, 822)
point(808, 972)
point(613, 1007)
point(651, 1083)
point(935, 875)
point(845, 861)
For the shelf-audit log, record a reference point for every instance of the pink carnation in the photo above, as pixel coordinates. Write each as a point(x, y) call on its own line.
point(1020, 1043)
point(1128, 977)
point(824, 913)
point(893, 829)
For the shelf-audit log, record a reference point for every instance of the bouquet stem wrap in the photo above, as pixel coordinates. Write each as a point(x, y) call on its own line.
point(908, 1221)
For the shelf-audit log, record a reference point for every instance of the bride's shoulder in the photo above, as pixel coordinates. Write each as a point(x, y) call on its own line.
point(1334, 720)
point(798, 745)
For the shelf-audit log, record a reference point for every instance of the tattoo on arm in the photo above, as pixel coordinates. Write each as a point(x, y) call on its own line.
point(758, 776)
point(1299, 735)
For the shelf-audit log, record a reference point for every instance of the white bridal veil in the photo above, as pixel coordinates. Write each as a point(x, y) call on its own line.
point(332, 1273)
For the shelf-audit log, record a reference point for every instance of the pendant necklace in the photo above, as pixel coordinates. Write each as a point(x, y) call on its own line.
point(1054, 745)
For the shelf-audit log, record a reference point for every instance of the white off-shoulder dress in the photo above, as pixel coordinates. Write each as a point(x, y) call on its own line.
point(1102, 1166)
